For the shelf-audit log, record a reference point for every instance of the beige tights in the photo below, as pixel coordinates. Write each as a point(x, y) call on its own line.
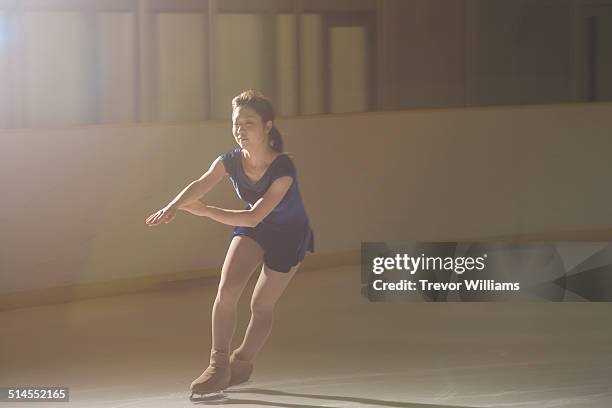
point(243, 257)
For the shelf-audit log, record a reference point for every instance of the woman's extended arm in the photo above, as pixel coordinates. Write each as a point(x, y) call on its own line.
point(244, 218)
point(230, 217)
point(193, 192)
point(198, 188)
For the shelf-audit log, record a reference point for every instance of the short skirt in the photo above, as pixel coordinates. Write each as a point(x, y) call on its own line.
point(283, 246)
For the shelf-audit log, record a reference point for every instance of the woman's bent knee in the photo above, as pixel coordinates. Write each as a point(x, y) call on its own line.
point(227, 297)
point(261, 308)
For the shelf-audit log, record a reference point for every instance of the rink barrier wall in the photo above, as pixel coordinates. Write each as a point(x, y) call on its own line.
point(72, 293)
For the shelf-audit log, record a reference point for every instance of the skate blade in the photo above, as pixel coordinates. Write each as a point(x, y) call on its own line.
point(213, 396)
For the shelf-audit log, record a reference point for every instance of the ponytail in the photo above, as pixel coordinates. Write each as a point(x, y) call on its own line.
point(276, 141)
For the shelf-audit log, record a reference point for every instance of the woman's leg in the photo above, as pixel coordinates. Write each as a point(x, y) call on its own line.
point(269, 288)
point(243, 256)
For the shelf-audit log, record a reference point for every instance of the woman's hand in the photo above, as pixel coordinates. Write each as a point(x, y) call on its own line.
point(164, 215)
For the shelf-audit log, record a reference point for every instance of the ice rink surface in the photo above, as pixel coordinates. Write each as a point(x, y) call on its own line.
point(328, 348)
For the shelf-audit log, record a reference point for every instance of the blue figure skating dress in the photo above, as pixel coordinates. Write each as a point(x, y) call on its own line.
point(285, 234)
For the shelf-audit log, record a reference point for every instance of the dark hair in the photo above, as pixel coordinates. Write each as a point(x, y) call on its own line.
point(263, 106)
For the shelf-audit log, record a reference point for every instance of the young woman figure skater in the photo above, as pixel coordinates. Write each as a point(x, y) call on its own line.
point(273, 229)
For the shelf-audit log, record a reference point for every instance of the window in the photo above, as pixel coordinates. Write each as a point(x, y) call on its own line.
point(116, 90)
point(181, 63)
point(110, 61)
point(57, 75)
point(239, 58)
point(4, 71)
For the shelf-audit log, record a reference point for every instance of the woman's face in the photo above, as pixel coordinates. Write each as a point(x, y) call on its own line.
point(248, 128)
